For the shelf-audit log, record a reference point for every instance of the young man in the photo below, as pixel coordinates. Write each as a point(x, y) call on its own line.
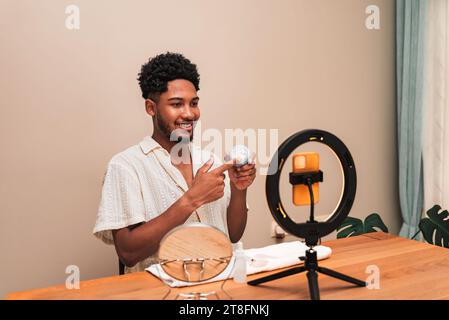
point(165, 180)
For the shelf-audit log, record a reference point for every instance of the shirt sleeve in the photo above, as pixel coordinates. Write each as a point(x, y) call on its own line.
point(121, 202)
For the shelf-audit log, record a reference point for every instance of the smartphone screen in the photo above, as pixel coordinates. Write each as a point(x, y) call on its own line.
point(305, 162)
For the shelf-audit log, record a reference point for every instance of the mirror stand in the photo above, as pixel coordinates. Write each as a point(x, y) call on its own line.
point(197, 295)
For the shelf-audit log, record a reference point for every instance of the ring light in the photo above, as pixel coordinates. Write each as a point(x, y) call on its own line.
point(320, 229)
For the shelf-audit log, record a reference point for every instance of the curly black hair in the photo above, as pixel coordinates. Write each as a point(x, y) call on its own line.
point(159, 70)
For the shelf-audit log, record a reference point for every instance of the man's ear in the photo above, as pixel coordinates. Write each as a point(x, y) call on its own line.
point(150, 107)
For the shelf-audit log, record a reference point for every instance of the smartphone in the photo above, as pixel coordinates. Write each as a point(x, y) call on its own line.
point(305, 162)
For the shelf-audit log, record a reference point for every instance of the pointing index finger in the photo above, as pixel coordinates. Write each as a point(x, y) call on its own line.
point(225, 166)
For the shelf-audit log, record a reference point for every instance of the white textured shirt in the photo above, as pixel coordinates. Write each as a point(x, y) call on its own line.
point(141, 183)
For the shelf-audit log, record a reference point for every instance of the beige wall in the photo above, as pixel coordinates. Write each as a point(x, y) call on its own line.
point(70, 100)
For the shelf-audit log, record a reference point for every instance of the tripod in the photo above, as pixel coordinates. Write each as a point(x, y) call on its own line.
point(312, 268)
point(310, 260)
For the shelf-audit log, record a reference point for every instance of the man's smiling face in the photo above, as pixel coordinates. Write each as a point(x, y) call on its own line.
point(178, 110)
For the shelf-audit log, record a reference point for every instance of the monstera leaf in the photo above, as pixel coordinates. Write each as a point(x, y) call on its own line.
point(435, 228)
point(353, 227)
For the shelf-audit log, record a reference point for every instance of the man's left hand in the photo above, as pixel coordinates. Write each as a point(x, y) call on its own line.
point(242, 177)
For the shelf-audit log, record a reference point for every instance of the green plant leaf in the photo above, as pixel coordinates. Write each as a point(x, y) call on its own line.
point(374, 223)
point(435, 228)
point(350, 227)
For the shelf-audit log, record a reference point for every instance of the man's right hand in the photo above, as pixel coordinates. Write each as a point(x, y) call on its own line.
point(208, 186)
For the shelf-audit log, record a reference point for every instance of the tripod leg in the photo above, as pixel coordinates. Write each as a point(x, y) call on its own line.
point(341, 276)
point(278, 275)
point(314, 290)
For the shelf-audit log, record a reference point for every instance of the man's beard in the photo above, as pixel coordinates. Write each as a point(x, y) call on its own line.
point(165, 129)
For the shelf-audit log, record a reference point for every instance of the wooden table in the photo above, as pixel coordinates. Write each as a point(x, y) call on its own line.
point(408, 270)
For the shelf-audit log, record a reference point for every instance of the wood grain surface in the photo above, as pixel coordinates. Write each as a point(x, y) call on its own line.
point(408, 270)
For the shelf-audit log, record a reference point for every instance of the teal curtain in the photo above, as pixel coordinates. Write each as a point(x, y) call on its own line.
point(410, 42)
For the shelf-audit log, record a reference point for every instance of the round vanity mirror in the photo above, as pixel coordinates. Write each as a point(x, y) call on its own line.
point(195, 252)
